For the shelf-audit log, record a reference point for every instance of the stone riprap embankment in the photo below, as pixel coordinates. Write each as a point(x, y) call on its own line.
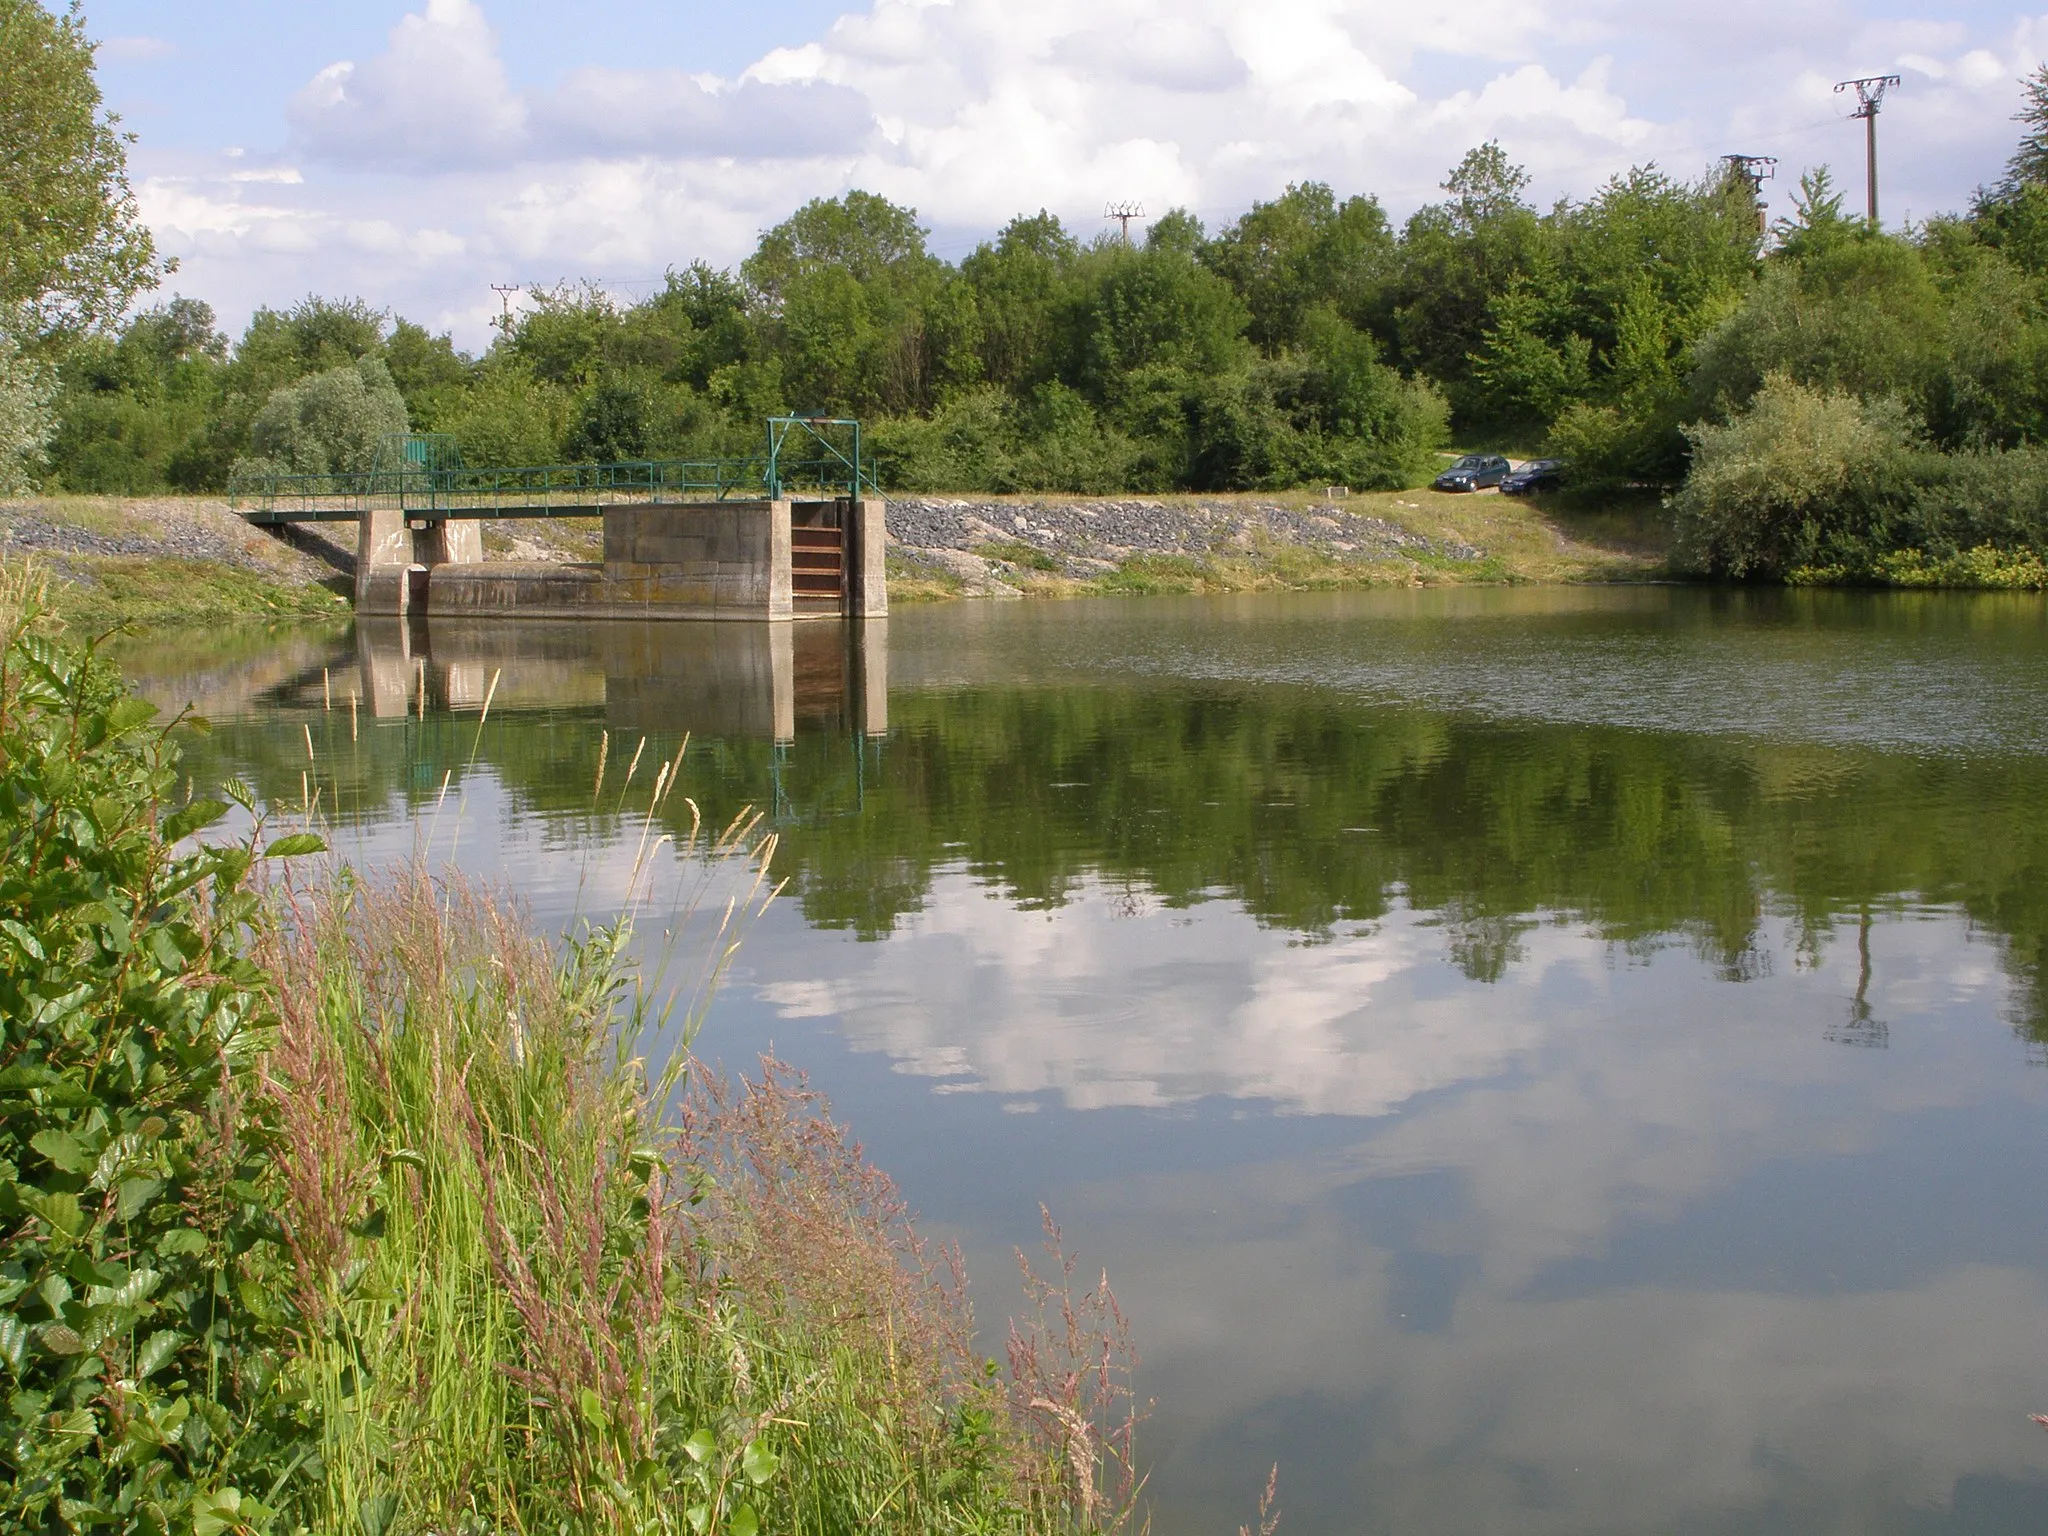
point(198, 531)
point(1085, 538)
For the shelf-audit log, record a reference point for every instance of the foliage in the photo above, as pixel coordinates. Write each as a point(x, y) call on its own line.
point(145, 1340)
point(2029, 163)
point(74, 253)
point(610, 426)
point(1858, 314)
point(1783, 481)
point(1982, 569)
point(507, 417)
point(26, 422)
point(136, 411)
point(328, 424)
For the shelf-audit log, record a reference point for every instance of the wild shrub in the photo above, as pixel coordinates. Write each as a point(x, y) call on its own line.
point(508, 417)
point(1788, 480)
point(610, 426)
point(26, 423)
point(327, 424)
point(144, 1328)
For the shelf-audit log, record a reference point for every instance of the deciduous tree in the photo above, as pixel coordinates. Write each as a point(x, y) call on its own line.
point(73, 250)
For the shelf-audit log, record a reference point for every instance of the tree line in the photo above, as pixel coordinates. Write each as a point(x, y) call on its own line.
point(1819, 400)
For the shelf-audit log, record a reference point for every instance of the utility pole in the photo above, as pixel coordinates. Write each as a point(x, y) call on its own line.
point(1755, 170)
point(1123, 213)
point(504, 291)
point(1869, 96)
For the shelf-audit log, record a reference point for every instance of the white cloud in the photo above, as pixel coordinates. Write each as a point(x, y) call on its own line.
point(665, 112)
point(437, 96)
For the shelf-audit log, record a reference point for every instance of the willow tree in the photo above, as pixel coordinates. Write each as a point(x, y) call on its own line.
point(73, 249)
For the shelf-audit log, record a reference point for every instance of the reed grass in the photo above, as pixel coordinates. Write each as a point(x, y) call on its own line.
point(555, 1278)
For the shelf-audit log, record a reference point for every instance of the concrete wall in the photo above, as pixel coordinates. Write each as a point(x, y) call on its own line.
point(725, 559)
point(511, 589)
point(867, 559)
point(383, 555)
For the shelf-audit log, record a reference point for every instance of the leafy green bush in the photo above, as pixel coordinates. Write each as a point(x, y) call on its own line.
point(1607, 448)
point(141, 1328)
point(610, 426)
point(25, 420)
point(1787, 480)
point(1964, 501)
point(1854, 314)
point(1806, 482)
point(981, 439)
point(328, 424)
point(508, 418)
point(1982, 569)
point(117, 444)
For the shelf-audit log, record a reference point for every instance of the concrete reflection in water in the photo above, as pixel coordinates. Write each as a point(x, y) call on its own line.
point(734, 681)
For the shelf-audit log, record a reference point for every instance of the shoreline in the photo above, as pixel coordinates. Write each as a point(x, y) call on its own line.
point(163, 562)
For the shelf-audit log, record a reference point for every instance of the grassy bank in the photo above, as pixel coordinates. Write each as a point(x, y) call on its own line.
point(167, 562)
point(350, 1204)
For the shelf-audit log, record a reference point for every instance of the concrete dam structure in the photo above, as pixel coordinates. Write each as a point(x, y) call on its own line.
point(797, 533)
point(759, 560)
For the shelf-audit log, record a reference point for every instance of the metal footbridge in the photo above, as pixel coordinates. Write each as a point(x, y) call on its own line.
point(423, 476)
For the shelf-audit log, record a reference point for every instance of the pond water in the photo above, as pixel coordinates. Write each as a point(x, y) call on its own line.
point(1531, 1060)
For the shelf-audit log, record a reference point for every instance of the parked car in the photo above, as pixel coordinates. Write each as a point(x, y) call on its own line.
point(1472, 472)
point(1536, 475)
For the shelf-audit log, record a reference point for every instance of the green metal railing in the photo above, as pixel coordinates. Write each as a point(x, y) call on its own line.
point(422, 475)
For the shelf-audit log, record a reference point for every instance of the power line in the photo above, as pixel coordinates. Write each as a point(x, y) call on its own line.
point(1869, 97)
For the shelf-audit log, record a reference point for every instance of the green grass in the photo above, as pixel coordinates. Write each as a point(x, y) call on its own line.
point(556, 1285)
point(913, 581)
point(156, 592)
point(1984, 569)
point(1027, 557)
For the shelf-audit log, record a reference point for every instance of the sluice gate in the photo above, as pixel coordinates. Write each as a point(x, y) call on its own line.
point(798, 532)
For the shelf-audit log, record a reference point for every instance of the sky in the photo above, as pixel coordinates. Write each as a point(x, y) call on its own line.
point(416, 152)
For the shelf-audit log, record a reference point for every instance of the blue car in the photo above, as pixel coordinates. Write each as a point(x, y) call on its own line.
point(1473, 472)
point(1536, 475)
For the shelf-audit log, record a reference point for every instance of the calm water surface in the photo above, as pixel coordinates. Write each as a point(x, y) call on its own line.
point(1555, 1061)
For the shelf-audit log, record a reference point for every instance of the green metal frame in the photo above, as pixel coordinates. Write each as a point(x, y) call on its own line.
point(833, 461)
point(423, 476)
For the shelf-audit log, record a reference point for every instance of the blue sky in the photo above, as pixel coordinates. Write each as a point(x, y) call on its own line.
point(415, 151)
point(233, 64)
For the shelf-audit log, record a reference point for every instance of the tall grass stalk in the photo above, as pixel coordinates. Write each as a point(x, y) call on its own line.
point(472, 1243)
point(550, 1284)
